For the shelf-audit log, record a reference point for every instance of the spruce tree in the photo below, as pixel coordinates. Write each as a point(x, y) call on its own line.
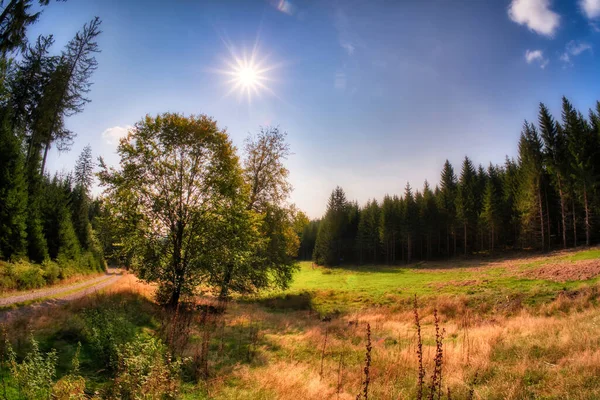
point(465, 200)
point(582, 143)
point(410, 219)
point(531, 199)
point(13, 194)
point(555, 159)
point(447, 201)
point(329, 246)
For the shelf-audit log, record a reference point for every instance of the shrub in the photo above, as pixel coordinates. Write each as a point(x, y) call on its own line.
point(106, 330)
point(72, 386)
point(51, 271)
point(145, 370)
point(34, 375)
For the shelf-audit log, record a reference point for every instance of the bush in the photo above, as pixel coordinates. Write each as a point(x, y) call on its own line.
point(106, 330)
point(23, 275)
point(146, 371)
point(51, 271)
point(34, 375)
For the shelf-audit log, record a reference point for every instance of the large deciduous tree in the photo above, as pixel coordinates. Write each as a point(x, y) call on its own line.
point(181, 183)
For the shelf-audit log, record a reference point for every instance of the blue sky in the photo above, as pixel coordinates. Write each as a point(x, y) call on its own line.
point(372, 93)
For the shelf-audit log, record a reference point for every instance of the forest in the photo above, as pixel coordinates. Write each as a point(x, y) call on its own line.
point(546, 198)
point(44, 219)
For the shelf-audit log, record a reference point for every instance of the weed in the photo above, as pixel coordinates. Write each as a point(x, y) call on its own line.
point(367, 368)
point(421, 377)
point(35, 374)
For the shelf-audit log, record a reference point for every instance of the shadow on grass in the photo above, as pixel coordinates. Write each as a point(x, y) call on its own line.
point(478, 260)
point(302, 301)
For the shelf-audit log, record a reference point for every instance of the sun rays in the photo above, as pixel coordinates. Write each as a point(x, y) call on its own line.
point(249, 74)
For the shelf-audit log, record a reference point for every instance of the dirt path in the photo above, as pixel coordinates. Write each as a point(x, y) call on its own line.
point(68, 292)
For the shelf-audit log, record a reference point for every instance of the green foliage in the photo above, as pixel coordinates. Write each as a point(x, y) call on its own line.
point(336, 231)
point(13, 194)
point(175, 171)
point(23, 275)
point(106, 330)
point(145, 371)
point(35, 374)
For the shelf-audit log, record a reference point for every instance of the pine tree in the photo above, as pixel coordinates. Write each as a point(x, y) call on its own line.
point(390, 221)
point(13, 194)
point(410, 219)
point(65, 94)
point(492, 205)
point(555, 158)
point(582, 143)
point(329, 246)
point(81, 197)
point(447, 201)
point(531, 199)
point(465, 199)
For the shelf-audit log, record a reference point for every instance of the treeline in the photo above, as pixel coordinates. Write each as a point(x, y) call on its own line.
point(546, 198)
point(43, 218)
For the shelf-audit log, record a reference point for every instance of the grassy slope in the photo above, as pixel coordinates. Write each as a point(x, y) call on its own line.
point(345, 289)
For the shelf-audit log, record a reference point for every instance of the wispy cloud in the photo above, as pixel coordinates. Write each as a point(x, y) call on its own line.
point(349, 47)
point(537, 57)
point(536, 15)
point(573, 49)
point(340, 81)
point(112, 135)
point(591, 8)
point(347, 36)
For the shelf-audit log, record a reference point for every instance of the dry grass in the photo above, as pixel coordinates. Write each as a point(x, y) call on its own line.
point(528, 355)
point(496, 349)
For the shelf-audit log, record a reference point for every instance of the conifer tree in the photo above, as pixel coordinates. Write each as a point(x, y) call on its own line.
point(13, 194)
point(83, 175)
point(329, 246)
point(447, 201)
point(410, 219)
point(532, 182)
point(465, 199)
point(491, 212)
point(582, 143)
point(556, 159)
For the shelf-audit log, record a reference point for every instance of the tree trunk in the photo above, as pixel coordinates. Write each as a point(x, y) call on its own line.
point(587, 216)
point(408, 250)
point(224, 293)
point(547, 219)
point(454, 237)
point(465, 229)
point(574, 223)
point(541, 209)
point(563, 214)
point(447, 240)
point(46, 148)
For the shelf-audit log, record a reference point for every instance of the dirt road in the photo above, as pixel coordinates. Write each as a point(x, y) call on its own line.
point(68, 292)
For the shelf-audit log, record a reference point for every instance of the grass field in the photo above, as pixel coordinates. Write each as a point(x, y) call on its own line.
point(523, 327)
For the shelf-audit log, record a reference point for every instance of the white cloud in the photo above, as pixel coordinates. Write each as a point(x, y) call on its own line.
point(536, 56)
point(340, 81)
point(591, 8)
point(112, 135)
point(349, 47)
point(535, 14)
point(574, 48)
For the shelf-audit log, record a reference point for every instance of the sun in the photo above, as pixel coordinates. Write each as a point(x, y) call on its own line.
point(247, 76)
point(249, 73)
